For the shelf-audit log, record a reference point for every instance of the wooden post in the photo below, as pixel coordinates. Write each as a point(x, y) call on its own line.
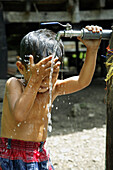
point(109, 136)
point(3, 47)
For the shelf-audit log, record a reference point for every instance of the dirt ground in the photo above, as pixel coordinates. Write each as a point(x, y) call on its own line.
point(78, 139)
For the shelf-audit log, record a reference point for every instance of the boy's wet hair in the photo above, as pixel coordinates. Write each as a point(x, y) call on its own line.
point(40, 44)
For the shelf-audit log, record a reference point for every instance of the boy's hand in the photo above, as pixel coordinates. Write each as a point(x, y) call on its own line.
point(42, 68)
point(92, 44)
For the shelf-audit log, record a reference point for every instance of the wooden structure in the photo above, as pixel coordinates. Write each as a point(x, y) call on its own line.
point(109, 136)
point(73, 11)
point(22, 16)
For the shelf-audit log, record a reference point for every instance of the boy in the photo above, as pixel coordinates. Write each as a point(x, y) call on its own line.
point(25, 106)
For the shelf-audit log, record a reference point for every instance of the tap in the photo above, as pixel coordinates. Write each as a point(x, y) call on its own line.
point(105, 34)
point(68, 33)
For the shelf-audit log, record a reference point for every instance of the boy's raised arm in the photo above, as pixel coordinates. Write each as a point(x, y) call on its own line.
point(76, 83)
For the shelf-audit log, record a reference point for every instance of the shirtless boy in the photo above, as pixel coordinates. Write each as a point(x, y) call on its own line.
point(25, 107)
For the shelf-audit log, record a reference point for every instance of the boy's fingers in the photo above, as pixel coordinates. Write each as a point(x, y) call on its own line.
point(45, 60)
point(31, 59)
point(88, 27)
point(94, 28)
point(57, 65)
point(49, 63)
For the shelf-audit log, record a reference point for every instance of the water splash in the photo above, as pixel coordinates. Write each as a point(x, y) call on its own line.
point(19, 124)
point(50, 89)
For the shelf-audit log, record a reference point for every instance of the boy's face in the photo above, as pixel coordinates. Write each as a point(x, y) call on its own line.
point(45, 82)
point(31, 69)
point(44, 87)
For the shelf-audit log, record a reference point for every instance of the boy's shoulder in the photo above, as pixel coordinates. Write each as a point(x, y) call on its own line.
point(12, 82)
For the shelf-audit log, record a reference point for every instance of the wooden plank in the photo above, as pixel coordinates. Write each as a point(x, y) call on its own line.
point(17, 17)
point(102, 3)
point(96, 15)
point(109, 135)
point(38, 1)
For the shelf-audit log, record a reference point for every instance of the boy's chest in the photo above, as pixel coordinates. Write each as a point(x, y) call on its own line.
point(39, 109)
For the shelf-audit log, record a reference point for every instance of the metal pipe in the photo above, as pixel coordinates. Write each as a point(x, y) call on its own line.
point(84, 34)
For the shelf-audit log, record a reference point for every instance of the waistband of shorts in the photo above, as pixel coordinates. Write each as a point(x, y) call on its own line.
point(26, 151)
point(15, 143)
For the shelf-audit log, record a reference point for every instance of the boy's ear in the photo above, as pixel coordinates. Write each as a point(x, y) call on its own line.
point(20, 67)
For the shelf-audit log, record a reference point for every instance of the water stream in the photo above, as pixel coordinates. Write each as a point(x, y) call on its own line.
point(50, 89)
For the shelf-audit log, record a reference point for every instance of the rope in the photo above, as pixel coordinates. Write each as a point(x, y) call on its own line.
point(109, 64)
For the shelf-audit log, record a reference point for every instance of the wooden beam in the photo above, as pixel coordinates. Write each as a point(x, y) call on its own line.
point(96, 15)
point(38, 1)
point(17, 17)
point(109, 135)
point(102, 3)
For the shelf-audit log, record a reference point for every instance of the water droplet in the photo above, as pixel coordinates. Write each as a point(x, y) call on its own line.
point(30, 86)
point(49, 128)
point(40, 134)
point(19, 124)
point(57, 99)
point(69, 103)
point(44, 106)
point(43, 118)
point(43, 65)
point(56, 108)
point(64, 93)
point(14, 130)
point(49, 115)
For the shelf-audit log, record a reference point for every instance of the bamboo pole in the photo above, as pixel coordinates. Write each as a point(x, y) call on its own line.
point(109, 129)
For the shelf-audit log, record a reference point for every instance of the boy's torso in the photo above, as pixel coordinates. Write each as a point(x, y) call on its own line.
point(34, 128)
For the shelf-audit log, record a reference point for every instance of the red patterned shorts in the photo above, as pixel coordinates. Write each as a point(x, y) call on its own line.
point(22, 155)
